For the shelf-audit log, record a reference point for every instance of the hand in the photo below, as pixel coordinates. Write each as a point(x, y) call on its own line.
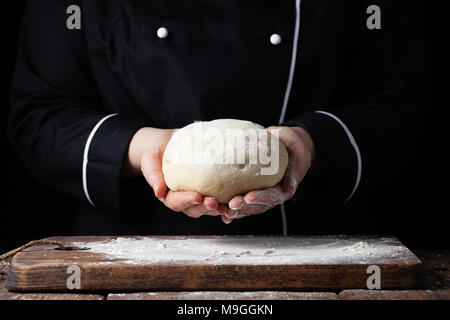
point(147, 161)
point(301, 156)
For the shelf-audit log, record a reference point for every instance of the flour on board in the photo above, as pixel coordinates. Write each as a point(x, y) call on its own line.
point(247, 250)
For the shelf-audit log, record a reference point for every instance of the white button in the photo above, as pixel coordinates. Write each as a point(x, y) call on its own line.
point(275, 39)
point(162, 33)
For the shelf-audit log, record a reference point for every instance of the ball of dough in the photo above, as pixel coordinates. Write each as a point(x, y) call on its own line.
point(223, 158)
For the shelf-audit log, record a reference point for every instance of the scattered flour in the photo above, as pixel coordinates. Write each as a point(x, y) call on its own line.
point(243, 253)
point(222, 250)
point(361, 245)
point(162, 245)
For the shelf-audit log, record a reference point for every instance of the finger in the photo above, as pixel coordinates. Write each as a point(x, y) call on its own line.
point(295, 172)
point(152, 171)
point(249, 210)
point(255, 202)
point(285, 134)
point(222, 208)
point(236, 203)
point(291, 178)
point(181, 200)
point(230, 213)
point(211, 203)
point(299, 161)
point(200, 210)
point(226, 220)
point(241, 215)
point(267, 197)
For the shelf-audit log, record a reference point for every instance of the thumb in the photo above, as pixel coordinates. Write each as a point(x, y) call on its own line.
point(298, 158)
point(151, 165)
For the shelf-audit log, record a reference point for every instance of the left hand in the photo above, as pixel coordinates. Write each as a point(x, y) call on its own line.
point(144, 157)
point(301, 157)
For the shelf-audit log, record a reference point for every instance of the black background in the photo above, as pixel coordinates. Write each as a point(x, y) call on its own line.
point(30, 211)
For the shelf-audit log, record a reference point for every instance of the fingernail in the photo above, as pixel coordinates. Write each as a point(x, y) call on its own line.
point(238, 207)
point(229, 216)
point(233, 215)
point(249, 202)
point(226, 220)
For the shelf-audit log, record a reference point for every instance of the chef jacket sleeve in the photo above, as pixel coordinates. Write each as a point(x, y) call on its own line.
point(57, 123)
point(373, 129)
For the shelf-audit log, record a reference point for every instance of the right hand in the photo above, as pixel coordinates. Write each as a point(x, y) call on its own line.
point(145, 155)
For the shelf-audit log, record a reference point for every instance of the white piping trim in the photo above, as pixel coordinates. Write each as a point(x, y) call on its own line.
point(355, 146)
point(293, 61)
point(86, 153)
point(288, 93)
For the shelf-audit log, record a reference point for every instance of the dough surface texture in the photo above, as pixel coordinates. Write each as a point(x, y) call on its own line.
point(223, 158)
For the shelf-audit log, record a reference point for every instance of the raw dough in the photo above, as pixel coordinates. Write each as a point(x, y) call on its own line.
point(223, 158)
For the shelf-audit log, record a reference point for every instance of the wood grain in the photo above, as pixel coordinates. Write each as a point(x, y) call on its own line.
point(43, 268)
point(8, 295)
point(436, 269)
point(443, 294)
point(389, 295)
point(225, 295)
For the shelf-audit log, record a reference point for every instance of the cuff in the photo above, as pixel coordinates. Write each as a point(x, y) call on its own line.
point(338, 147)
point(103, 159)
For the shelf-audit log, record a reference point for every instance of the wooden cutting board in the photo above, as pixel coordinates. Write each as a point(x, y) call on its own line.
point(213, 263)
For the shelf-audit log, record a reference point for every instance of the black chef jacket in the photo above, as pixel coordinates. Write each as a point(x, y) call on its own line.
point(79, 95)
